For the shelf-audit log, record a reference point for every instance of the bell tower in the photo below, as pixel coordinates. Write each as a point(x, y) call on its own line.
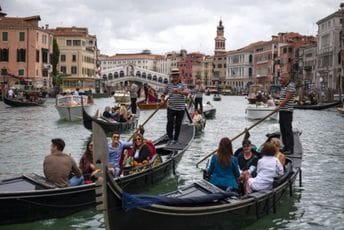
point(220, 40)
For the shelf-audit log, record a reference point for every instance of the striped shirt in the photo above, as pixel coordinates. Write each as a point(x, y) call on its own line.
point(199, 89)
point(176, 101)
point(290, 87)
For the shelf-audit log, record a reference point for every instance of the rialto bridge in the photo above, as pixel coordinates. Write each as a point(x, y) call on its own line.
point(120, 76)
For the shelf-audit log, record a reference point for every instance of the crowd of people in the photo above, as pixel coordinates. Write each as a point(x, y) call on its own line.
point(118, 113)
point(245, 170)
point(62, 170)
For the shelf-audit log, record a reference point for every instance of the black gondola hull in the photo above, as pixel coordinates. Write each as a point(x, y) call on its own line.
point(231, 213)
point(16, 103)
point(109, 126)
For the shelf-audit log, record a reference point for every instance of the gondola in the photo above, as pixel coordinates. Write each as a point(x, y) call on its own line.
point(209, 111)
point(198, 206)
point(109, 125)
point(217, 97)
point(31, 197)
point(340, 110)
point(23, 103)
point(318, 106)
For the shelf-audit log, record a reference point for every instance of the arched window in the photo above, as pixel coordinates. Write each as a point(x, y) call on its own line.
point(116, 75)
point(154, 78)
point(105, 77)
point(144, 75)
point(110, 76)
point(160, 79)
point(121, 73)
point(138, 74)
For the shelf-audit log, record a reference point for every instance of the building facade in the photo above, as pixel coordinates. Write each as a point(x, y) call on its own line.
point(78, 51)
point(329, 50)
point(239, 72)
point(25, 50)
point(190, 67)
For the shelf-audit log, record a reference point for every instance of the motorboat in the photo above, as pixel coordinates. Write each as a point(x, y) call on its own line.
point(255, 112)
point(69, 107)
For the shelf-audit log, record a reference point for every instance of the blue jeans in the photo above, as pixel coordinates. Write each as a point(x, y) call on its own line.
point(76, 180)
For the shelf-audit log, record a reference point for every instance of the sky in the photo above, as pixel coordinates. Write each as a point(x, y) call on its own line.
point(130, 26)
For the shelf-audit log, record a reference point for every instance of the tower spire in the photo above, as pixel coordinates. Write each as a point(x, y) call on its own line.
point(220, 40)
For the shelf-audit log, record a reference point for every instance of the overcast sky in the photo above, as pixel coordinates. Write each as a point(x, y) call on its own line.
point(129, 26)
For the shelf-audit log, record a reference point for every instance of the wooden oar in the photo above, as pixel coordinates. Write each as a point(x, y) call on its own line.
point(141, 126)
point(243, 132)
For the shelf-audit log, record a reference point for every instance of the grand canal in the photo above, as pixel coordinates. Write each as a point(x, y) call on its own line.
point(25, 135)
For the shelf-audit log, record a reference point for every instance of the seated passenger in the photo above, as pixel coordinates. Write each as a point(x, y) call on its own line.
point(86, 165)
point(123, 114)
point(141, 150)
point(247, 160)
point(107, 112)
point(268, 167)
point(152, 98)
point(115, 152)
point(223, 169)
point(60, 168)
point(280, 156)
point(197, 116)
point(270, 102)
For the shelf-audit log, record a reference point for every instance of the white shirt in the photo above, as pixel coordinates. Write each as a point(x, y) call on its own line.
point(10, 93)
point(268, 167)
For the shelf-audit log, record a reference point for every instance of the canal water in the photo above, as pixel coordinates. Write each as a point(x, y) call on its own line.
point(25, 135)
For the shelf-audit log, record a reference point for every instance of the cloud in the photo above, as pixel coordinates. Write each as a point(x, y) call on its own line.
point(164, 25)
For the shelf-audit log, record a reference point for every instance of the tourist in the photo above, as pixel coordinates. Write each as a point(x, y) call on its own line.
point(268, 168)
point(177, 92)
point(107, 112)
point(197, 116)
point(133, 97)
point(10, 93)
point(76, 92)
point(277, 143)
point(60, 168)
point(86, 165)
point(199, 90)
point(140, 149)
point(223, 170)
point(247, 160)
point(115, 149)
point(286, 113)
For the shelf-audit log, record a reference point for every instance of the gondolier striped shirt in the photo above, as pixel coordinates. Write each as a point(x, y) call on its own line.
point(290, 87)
point(176, 101)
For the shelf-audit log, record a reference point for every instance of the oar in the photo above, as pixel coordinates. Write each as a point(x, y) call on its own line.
point(141, 126)
point(243, 132)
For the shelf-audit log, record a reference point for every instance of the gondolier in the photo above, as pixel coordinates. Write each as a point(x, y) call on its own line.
point(177, 92)
point(286, 113)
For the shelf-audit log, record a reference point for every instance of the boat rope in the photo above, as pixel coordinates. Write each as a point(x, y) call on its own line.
point(58, 206)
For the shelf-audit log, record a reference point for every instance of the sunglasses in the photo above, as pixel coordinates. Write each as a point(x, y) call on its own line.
point(115, 136)
point(138, 139)
point(245, 146)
